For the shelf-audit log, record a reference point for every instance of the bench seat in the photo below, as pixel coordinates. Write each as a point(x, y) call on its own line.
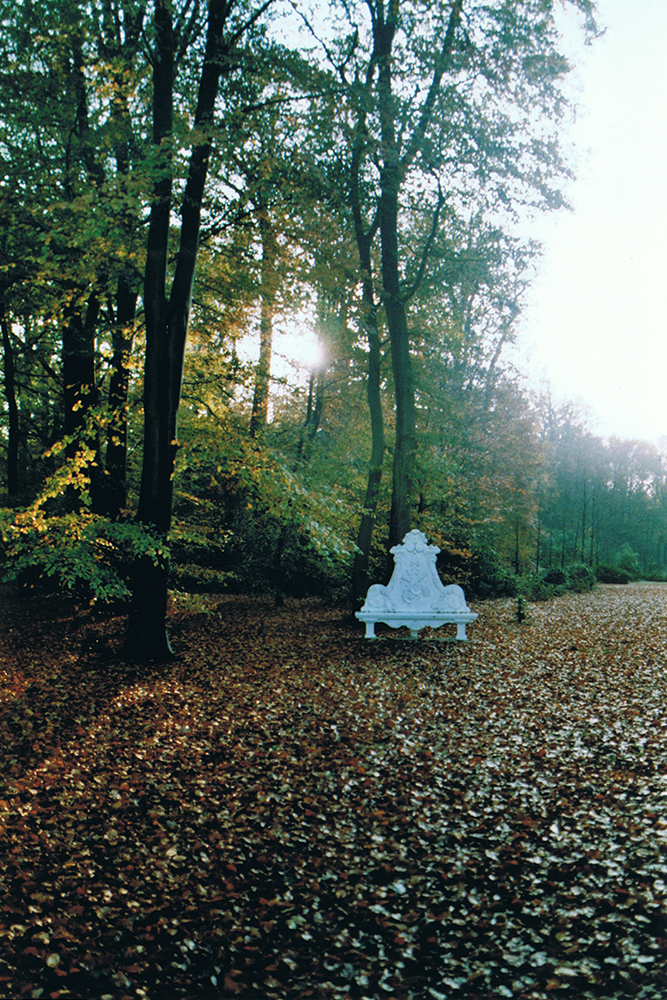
point(415, 622)
point(415, 596)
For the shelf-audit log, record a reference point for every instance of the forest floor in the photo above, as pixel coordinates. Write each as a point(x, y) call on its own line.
point(292, 811)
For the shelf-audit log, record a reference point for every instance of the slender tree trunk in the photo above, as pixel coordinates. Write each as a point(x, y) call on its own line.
point(115, 482)
point(583, 526)
point(405, 446)
point(562, 550)
point(365, 236)
point(311, 423)
point(80, 392)
point(365, 536)
point(260, 402)
point(12, 404)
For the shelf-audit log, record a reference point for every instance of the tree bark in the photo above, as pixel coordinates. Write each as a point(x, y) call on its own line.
point(260, 402)
point(12, 404)
point(167, 318)
point(378, 446)
point(114, 494)
point(392, 174)
point(405, 446)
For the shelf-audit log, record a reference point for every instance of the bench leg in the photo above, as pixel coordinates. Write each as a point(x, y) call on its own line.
point(370, 630)
point(461, 632)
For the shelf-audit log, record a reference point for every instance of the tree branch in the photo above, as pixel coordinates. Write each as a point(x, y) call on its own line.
point(429, 103)
point(427, 247)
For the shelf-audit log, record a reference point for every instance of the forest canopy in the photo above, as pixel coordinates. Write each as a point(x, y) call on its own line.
point(180, 179)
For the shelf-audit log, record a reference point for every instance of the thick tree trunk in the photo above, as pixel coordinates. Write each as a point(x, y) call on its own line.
point(167, 319)
point(365, 235)
point(12, 404)
point(405, 446)
point(146, 637)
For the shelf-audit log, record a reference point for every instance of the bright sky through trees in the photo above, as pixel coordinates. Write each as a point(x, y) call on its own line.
point(596, 327)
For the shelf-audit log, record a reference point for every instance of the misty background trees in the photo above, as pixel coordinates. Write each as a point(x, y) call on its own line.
point(183, 180)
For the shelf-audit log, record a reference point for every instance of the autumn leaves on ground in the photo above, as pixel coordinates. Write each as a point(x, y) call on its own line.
point(292, 811)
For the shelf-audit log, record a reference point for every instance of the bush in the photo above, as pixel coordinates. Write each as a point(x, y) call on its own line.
point(539, 587)
point(489, 578)
point(611, 574)
point(555, 576)
point(628, 560)
point(579, 578)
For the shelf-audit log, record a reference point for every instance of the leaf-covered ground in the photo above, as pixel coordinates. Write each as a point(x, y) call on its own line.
point(292, 811)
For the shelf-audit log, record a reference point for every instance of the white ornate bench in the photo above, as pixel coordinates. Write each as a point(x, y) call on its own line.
point(415, 596)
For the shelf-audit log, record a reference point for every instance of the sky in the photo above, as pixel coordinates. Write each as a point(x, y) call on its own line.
point(595, 327)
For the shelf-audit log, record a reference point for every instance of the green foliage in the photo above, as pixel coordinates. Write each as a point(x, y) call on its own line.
point(555, 576)
point(628, 561)
point(259, 522)
point(75, 550)
point(488, 577)
point(579, 577)
point(611, 574)
point(535, 587)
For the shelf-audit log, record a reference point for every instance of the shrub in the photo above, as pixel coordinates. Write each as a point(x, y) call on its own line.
point(489, 578)
point(580, 577)
point(555, 576)
point(535, 587)
point(611, 574)
point(628, 560)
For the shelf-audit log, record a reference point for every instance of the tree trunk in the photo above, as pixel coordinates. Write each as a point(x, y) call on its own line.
point(365, 236)
point(365, 535)
point(260, 402)
point(114, 494)
point(311, 423)
point(12, 405)
point(405, 446)
point(583, 527)
point(167, 319)
point(80, 393)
